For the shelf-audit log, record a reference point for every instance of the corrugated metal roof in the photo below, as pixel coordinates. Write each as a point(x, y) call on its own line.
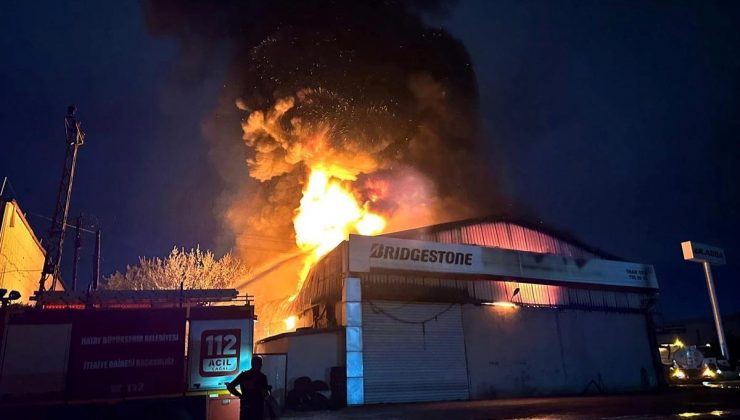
point(505, 232)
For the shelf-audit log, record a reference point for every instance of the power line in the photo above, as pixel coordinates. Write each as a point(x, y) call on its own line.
point(265, 238)
point(92, 232)
point(260, 248)
point(6, 181)
point(15, 195)
point(21, 271)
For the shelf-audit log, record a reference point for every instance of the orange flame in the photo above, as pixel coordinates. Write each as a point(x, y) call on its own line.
point(328, 213)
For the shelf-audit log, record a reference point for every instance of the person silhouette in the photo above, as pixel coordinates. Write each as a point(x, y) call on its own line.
point(72, 127)
point(253, 390)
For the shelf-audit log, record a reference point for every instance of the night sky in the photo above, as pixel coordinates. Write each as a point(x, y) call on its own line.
point(615, 121)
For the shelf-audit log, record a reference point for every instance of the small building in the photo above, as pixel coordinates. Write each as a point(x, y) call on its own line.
point(474, 309)
point(21, 254)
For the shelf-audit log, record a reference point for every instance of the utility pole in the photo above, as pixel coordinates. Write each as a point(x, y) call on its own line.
point(78, 245)
point(74, 138)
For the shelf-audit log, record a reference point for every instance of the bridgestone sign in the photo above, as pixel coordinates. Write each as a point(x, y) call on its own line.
point(379, 253)
point(420, 254)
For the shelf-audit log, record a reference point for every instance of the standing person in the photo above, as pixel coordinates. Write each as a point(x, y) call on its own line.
point(252, 391)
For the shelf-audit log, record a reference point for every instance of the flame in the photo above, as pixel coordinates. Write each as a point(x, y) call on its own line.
point(328, 213)
point(290, 322)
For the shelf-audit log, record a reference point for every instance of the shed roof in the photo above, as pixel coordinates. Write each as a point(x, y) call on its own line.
point(500, 231)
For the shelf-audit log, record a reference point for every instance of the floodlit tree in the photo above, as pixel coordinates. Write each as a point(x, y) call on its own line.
point(195, 269)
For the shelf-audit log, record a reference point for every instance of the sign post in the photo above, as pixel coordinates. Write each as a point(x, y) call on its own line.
point(707, 255)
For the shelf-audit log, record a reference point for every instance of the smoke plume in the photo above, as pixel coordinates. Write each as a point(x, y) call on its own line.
point(364, 87)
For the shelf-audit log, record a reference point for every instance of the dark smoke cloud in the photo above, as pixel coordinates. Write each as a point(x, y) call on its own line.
point(372, 75)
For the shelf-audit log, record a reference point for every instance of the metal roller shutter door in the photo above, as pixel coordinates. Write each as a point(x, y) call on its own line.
point(405, 361)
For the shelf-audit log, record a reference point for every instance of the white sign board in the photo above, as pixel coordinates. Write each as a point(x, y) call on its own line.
point(218, 350)
point(368, 252)
point(694, 251)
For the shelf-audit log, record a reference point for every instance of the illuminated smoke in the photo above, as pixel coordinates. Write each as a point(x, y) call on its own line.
point(362, 90)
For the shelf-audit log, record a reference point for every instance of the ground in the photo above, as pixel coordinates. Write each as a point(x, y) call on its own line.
point(696, 403)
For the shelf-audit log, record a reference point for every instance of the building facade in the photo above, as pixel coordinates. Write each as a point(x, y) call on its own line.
point(479, 309)
point(21, 253)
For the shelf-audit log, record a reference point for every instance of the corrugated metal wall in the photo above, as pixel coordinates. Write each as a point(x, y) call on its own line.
point(395, 287)
point(505, 235)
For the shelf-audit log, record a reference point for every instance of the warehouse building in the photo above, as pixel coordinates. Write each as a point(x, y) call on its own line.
point(474, 309)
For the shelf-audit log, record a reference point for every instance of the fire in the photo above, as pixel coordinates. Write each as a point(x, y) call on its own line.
point(328, 213)
point(290, 322)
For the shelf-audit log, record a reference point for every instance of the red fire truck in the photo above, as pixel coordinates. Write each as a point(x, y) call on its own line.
point(125, 354)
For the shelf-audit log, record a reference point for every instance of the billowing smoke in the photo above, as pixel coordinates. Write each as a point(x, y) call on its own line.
point(363, 86)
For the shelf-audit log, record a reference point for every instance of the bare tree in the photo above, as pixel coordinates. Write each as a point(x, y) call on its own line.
point(196, 269)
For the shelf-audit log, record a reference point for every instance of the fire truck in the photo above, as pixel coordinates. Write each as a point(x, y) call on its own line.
point(125, 354)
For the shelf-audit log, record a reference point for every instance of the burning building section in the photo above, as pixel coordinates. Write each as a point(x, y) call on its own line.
point(357, 118)
point(330, 207)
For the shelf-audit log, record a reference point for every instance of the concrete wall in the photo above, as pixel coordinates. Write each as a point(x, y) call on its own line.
point(543, 351)
point(309, 354)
